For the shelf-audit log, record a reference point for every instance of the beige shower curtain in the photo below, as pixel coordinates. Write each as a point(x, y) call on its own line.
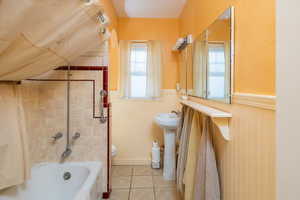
point(207, 186)
point(14, 160)
point(37, 36)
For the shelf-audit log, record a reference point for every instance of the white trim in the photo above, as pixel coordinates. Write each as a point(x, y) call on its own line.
point(255, 100)
point(131, 162)
point(164, 92)
point(220, 118)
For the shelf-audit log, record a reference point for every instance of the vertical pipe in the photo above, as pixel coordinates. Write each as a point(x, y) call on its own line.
point(68, 109)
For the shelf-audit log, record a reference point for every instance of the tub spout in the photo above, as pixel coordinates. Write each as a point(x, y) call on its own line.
point(65, 154)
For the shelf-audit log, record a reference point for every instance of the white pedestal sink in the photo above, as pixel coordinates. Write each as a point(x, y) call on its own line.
point(169, 122)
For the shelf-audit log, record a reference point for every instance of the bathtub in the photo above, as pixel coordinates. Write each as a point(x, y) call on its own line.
point(48, 183)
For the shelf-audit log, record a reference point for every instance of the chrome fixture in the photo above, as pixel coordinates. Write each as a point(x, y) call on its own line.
point(103, 19)
point(103, 94)
point(76, 136)
point(176, 112)
point(67, 176)
point(57, 136)
point(88, 2)
point(68, 150)
point(65, 155)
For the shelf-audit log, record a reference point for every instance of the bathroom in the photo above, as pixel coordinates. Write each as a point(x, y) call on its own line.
point(149, 99)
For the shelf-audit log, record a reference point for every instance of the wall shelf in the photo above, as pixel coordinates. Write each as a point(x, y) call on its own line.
point(220, 118)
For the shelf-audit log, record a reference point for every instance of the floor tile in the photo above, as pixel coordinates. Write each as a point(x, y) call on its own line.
point(142, 171)
point(157, 172)
point(121, 171)
point(119, 194)
point(142, 182)
point(122, 182)
point(166, 194)
point(160, 182)
point(142, 194)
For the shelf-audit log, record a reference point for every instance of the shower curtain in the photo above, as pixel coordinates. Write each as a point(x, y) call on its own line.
point(14, 158)
point(207, 186)
point(37, 36)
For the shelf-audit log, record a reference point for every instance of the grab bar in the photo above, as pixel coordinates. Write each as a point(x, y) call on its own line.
point(103, 118)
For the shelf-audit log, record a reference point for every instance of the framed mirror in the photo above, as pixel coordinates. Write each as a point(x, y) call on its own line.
point(210, 73)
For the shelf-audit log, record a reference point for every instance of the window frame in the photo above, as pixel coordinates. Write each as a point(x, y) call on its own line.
point(137, 73)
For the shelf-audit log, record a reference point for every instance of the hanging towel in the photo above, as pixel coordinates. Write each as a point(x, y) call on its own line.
point(180, 123)
point(184, 136)
point(14, 161)
point(207, 186)
point(191, 164)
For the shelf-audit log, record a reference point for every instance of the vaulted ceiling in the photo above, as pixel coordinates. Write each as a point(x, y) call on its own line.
point(149, 8)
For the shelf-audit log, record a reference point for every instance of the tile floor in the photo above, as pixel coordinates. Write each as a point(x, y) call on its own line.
point(141, 183)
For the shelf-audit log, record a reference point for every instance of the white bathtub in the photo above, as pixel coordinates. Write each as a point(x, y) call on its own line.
point(47, 183)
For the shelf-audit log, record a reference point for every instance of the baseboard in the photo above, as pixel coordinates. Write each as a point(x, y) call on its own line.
point(260, 101)
point(131, 162)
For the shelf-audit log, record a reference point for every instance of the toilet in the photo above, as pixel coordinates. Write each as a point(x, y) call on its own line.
point(113, 150)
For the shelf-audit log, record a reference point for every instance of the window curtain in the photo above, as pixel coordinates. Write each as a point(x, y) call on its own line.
point(199, 67)
point(125, 84)
point(154, 63)
point(154, 69)
point(227, 71)
point(14, 155)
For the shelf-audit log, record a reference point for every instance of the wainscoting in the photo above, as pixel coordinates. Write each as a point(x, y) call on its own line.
point(133, 129)
point(247, 162)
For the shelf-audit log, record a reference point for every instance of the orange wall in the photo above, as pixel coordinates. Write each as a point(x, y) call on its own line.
point(111, 12)
point(113, 47)
point(165, 30)
point(254, 37)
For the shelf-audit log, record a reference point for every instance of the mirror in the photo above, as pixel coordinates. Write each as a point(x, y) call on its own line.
point(210, 74)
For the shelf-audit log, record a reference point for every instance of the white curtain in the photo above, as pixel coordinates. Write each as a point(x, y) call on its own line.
point(154, 63)
point(227, 71)
point(36, 36)
point(199, 68)
point(14, 155)
point(154, 69)
point(125, 83)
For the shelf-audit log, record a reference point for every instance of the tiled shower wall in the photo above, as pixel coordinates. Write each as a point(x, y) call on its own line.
point(45, 105)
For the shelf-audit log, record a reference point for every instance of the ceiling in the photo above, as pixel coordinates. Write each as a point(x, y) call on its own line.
point(149, 8)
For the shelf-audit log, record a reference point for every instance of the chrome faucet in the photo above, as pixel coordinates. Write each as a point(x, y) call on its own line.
point(65, 155)
point(57, 136)
point(76, 136)
point(176, 112)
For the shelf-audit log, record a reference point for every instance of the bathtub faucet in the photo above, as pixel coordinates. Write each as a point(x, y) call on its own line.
point(65, 154)
point(57, 136)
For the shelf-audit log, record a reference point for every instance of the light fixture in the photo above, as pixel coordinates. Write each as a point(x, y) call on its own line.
point(88, 2)
point(103, 19)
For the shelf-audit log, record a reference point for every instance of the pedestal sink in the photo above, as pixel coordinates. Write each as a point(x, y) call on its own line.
point(168, 122)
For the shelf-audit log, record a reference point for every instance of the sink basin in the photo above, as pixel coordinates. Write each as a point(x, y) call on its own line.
point(169, 122)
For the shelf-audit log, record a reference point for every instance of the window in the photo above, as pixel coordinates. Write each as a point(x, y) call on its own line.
point(140, 75)
point(216, 71)
point(138, 70)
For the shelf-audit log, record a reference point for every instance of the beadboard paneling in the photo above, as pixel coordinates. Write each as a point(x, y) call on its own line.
point(247, 162)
